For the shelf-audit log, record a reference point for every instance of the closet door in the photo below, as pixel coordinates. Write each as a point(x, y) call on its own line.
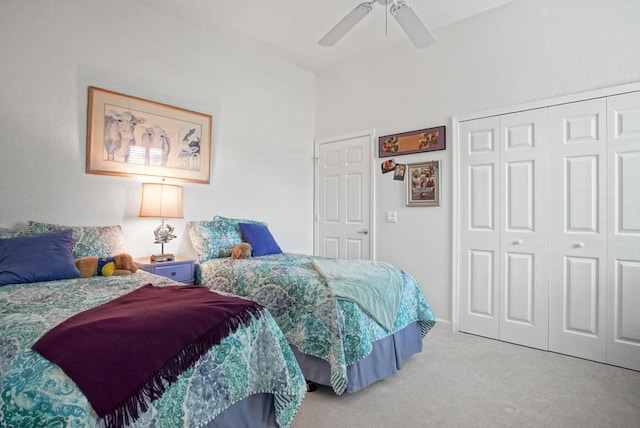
point(524, 161)
point(503, 230)
point(578, 229)
point(623, 313)
point(479, 227)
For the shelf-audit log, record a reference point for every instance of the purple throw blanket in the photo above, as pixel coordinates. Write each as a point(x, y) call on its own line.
point(120, 353)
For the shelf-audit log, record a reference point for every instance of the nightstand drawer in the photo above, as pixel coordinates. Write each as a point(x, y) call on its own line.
point(179, 272)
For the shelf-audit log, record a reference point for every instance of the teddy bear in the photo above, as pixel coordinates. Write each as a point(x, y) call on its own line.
point(120, 264)
point(241, 251)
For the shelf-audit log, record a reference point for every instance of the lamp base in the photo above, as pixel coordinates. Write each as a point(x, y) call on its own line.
point(159, 258)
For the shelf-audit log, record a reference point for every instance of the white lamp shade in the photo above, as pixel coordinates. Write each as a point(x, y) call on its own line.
point(161, 200)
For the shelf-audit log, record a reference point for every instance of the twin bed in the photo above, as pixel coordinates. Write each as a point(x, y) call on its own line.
point(256, 375)
point(250, 378)
point(335, 341)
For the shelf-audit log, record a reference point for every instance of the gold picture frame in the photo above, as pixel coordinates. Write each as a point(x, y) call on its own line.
point(130, 136)
point(423, 184)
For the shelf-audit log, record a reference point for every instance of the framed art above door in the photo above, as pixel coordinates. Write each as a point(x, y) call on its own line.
point(404, 143)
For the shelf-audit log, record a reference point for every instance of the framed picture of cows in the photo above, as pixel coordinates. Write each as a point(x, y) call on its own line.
point(131, 136)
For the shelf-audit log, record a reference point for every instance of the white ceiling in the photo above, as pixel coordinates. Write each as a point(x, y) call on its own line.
point(290, 29)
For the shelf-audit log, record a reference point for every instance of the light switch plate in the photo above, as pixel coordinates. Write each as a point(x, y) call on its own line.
point(392, 216)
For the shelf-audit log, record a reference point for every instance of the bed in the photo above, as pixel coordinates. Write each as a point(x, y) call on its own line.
point(250, 378)
point(335, 341)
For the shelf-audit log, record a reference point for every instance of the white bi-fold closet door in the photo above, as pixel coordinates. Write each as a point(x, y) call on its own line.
point(594, 229)
point(549, 231)
point(623, 229)
point(578, 229)
point(503, 239)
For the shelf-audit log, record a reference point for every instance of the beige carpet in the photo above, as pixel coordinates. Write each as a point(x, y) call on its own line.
point(461, 380)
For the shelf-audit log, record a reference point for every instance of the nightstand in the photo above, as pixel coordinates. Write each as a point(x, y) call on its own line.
point(180, 270)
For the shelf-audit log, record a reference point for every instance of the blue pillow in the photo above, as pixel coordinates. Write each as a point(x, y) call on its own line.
point(260, 239)
point(35, 258)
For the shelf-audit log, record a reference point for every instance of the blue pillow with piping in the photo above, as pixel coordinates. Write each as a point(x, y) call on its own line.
point(260, 239)
point(35, 258)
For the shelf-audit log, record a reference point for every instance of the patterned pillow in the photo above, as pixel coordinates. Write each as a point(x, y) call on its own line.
point(216, 238)
point(100, 241)
point(11, 233)
point(206, 238)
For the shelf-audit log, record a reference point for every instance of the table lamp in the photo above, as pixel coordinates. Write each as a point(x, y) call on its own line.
point(163, 201)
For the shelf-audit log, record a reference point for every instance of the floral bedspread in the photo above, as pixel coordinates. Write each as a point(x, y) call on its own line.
point(317, 323)
point(37, 393)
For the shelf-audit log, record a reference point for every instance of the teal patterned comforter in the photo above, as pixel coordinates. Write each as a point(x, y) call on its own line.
point(317, 323)
point(37, 393)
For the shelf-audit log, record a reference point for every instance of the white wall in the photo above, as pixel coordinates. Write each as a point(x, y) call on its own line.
point(264, 111)
point(524, 51)
point(263, 119)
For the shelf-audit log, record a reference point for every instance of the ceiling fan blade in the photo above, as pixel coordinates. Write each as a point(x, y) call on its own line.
point(347, 23)
point(412, 25)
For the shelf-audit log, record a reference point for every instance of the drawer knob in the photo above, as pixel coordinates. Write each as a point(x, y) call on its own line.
point(173, 274)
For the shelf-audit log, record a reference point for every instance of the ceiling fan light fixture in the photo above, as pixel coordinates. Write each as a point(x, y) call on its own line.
point(412, 25)
point(346, 24)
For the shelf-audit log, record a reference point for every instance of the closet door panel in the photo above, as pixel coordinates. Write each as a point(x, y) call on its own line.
point(519, 296)
point(581, 178)
point(577, 229)
point(581, 296)
point(623, 346)
point(481, 280)
point(523, 238)
point(479, 232)
point(519, 200)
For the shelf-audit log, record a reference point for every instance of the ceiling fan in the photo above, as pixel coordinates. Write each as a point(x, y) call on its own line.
point(402, 11)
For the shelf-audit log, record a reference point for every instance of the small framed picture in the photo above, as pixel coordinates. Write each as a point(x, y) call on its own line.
point(398, 173)
point(423, 184)
point(388, 166)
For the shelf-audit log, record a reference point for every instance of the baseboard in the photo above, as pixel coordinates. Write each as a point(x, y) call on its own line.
point(445, 325)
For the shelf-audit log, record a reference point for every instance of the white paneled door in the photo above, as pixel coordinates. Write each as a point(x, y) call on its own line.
point(343, 197)
point(524, 304)
point(549, 227)
point(578, 229)
point(623, 189)
point(503, 223)
point(480, 227)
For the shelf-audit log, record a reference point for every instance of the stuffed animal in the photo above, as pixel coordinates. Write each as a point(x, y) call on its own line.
point(241, 251)
point(120, 264)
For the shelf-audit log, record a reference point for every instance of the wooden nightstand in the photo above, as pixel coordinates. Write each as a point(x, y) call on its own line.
point(180, 270)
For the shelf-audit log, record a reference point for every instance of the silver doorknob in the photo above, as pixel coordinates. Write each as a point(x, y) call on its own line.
point(517, 242)
point(579, 245)
point(363, 231)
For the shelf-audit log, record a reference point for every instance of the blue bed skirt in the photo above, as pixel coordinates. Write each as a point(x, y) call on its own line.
point(255, 411)
point(385, 360)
